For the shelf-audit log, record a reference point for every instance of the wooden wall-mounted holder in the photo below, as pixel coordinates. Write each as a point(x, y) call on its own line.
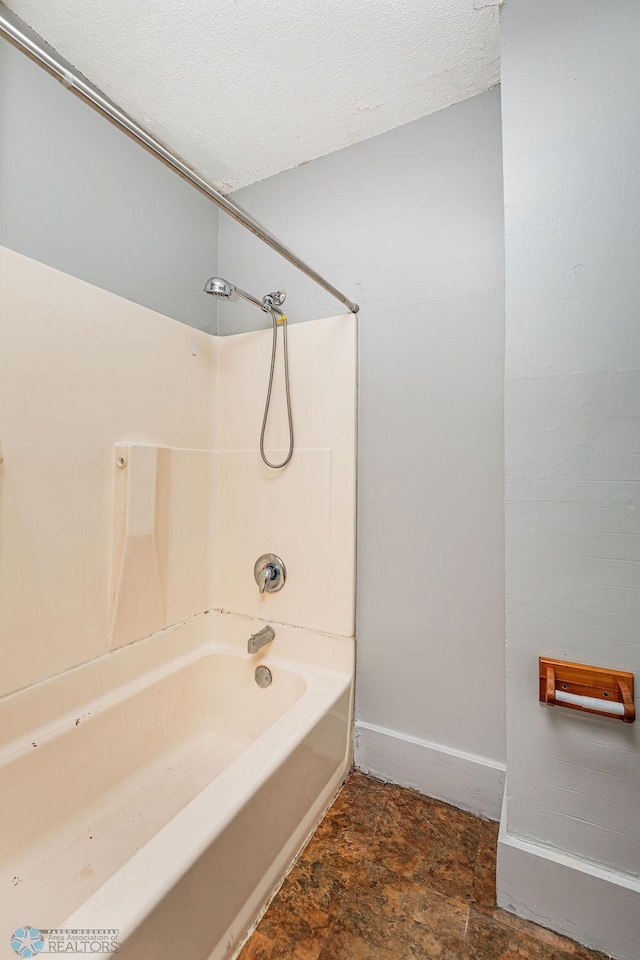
point(608, 693)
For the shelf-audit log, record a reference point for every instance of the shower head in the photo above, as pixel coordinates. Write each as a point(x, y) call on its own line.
point(219, 287)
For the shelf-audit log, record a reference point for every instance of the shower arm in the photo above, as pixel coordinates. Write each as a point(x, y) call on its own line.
point(264, 304)
point(73, 82)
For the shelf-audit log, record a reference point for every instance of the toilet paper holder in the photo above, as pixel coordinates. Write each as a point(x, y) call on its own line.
point(579, 686)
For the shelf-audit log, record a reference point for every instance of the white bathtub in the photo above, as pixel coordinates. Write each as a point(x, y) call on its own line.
point(170, 797)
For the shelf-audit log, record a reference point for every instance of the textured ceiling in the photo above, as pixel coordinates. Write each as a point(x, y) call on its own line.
point(242, 89)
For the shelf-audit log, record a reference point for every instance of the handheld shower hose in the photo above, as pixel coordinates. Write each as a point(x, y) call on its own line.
point(279, 320)
point(219, 287)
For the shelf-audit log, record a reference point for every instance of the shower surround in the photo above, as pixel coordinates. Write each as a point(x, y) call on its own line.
point(149, 784)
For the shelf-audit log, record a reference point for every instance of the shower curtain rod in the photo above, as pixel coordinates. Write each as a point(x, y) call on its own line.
point(76, 85)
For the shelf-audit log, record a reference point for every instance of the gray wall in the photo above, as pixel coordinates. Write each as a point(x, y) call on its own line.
point(410, 224)
point(572, 391)
point(79, 195)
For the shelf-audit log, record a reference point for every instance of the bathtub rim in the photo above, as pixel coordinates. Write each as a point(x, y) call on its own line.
point(49, 731)
point(135, 660)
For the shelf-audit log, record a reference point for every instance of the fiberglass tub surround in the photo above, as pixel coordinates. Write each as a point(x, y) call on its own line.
point(150, 784)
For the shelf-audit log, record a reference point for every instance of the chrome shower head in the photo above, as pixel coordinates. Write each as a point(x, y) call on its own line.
point(219, 287)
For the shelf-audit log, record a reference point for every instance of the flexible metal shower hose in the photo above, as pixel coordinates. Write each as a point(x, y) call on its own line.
point(278, 466)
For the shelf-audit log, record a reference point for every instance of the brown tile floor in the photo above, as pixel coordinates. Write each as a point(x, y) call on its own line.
point(392, 875)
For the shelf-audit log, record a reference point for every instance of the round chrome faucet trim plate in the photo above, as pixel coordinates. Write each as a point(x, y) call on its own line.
point(270, 573)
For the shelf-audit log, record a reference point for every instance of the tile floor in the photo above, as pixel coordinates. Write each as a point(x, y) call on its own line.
point(392, 875)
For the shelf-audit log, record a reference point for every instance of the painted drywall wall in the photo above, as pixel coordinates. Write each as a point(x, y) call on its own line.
point(410, 225)
point(79, 195)
point(570, 850)
point(82, 370)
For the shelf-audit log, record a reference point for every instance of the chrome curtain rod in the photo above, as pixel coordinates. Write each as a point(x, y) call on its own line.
point(76, 85)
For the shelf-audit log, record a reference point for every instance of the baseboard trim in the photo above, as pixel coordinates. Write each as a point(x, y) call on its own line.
point(466, 780)
point(597, 907)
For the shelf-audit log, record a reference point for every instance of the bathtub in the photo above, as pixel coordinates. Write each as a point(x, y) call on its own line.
point(171, 795)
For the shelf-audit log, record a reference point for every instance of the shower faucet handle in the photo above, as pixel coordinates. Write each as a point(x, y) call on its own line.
point(270, 573)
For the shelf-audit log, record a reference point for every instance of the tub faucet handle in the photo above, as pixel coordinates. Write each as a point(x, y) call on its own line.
point(270, 573)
